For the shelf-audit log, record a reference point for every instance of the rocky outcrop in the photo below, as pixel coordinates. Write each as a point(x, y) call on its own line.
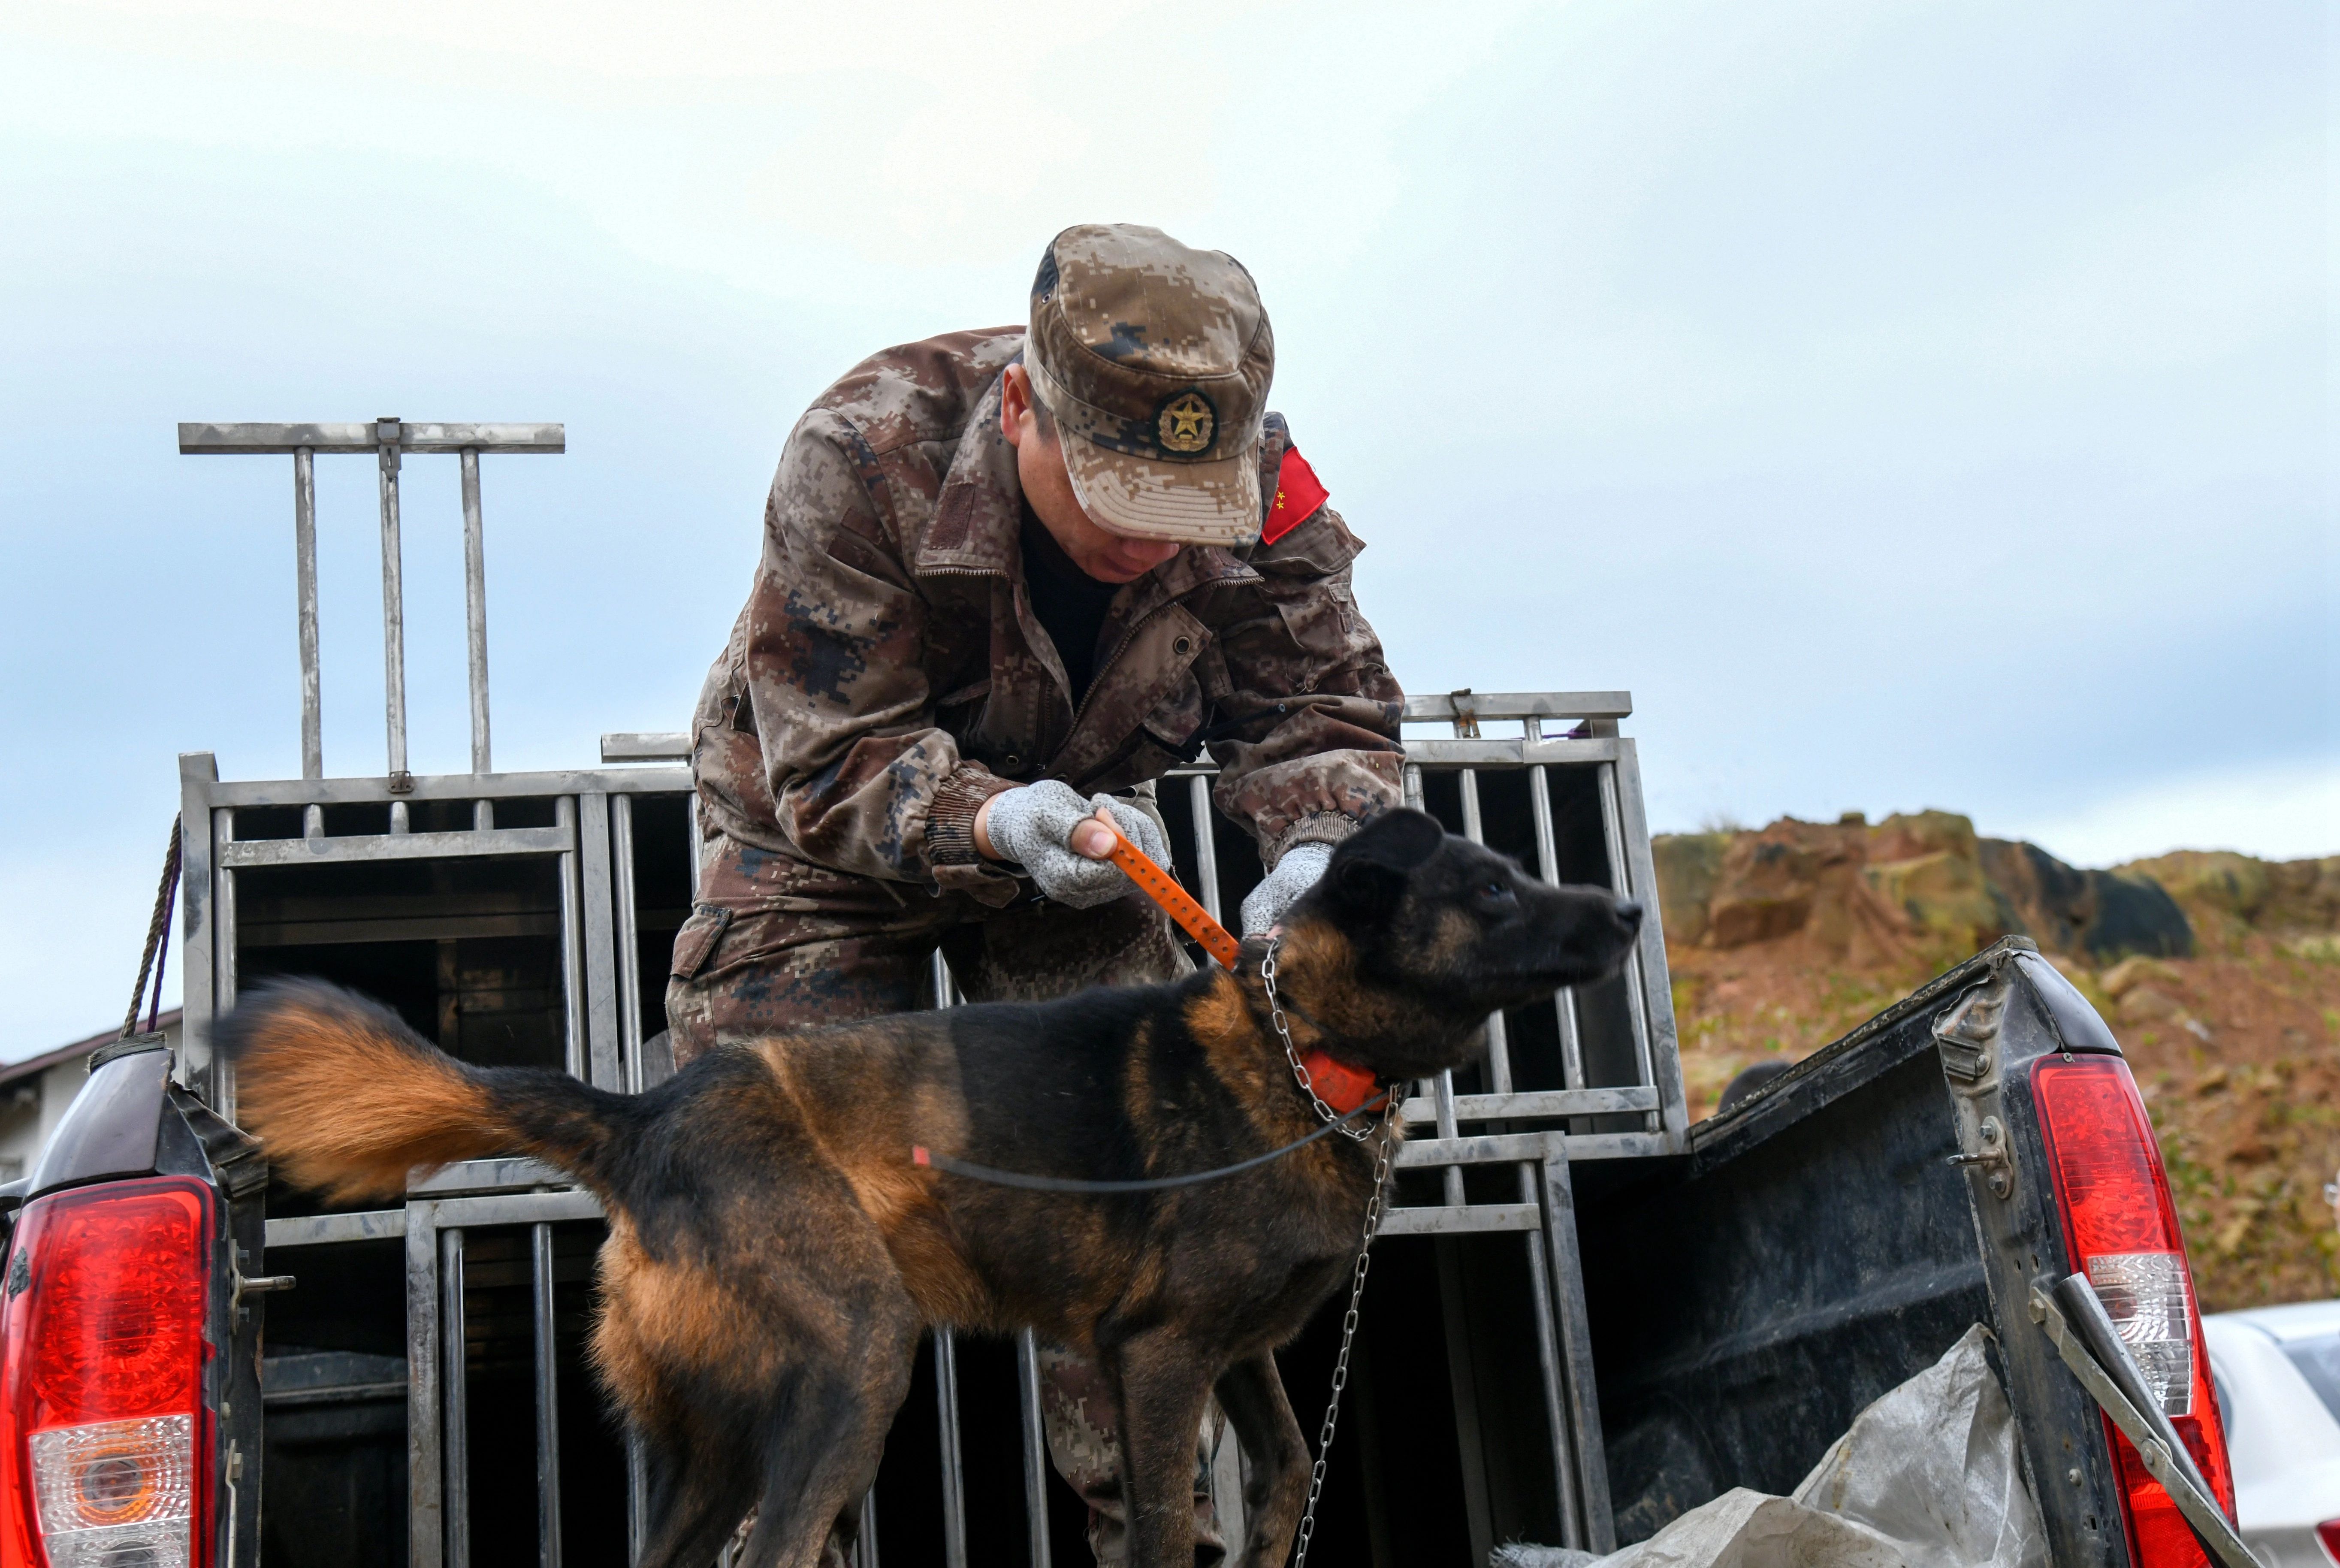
point(2101, 916)
point(1913, 886)
point(2220, 888)
point(1782, 939)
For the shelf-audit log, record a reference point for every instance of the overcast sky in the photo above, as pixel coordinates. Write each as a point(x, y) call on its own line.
point(1913, 405)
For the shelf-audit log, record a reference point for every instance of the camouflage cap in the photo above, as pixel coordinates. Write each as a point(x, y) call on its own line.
point(1154, 361)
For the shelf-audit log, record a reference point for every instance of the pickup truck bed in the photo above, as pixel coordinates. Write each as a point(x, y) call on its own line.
point(1720, 1312)
point(1817, 1246)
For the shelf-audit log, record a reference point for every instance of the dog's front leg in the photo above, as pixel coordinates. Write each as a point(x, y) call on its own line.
point(1252, 1393)
point(1165, 1381)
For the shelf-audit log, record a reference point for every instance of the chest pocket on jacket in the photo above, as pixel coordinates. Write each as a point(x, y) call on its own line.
point(960, 713)
point(1306, 575)
point(1178, 715)
point(1323, 621)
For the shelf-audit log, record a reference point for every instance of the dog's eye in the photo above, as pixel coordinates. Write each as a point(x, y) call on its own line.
point(1498, 893)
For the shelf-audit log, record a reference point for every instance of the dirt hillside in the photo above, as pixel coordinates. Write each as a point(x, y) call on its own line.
point(2220, 973)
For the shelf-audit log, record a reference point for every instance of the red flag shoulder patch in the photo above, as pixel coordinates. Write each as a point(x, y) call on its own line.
point(1298, 494)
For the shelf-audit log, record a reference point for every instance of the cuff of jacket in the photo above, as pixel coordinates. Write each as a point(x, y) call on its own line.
point(950, 820)
point(1323, 828)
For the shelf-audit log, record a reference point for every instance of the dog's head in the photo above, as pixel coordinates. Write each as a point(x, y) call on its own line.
point(1413, 936)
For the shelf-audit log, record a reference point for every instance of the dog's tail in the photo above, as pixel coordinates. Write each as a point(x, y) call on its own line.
point(346, 1099)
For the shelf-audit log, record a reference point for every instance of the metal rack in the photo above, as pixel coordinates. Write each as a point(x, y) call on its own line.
point(558, 864)
point(388, 439)
point(1592, 745)
point(1535, 1132)
point(578, 824)
point(1651, 1091)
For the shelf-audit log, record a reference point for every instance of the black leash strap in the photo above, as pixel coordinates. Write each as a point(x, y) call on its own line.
point(920, 1155)
point(158, 941)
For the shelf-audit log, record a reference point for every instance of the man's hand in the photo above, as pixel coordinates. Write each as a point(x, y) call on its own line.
point(1058, 838)
point(1294, 874)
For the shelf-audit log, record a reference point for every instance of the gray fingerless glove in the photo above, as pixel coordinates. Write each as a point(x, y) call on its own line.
point(1294, 874)
point(1032, 825)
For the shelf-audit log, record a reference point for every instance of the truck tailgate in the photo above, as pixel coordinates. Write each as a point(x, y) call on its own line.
point(1817, 1246)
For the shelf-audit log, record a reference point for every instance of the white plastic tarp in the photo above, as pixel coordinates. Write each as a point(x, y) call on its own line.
point(1928, 1477)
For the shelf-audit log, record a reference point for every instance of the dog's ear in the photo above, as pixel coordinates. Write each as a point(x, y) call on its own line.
point(1370, 868)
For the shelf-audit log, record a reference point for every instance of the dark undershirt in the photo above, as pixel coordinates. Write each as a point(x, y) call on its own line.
point(1069, 603)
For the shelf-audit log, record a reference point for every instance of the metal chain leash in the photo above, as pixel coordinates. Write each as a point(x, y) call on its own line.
point(1267, 972)
point(1348, 1329)
point(1387, 1128)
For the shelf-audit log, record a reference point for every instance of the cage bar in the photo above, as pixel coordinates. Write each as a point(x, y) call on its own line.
point(393, 607)
point(455, 1343)
point(1036, 1446)
point(305, 571)
point(598, 935)
point(548, 1399)
point(946, 1352)
point(629, 956)
point(1613, 824)
point(475, 610)
point(1206, 846)
point(425, 1474)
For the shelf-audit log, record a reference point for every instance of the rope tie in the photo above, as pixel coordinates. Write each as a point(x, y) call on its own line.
point(158, 942)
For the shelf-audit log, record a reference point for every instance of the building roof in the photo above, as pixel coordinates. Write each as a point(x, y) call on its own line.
point(32, 1066)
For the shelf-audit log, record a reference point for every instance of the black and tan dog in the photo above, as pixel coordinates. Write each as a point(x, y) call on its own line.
point(773, 1253)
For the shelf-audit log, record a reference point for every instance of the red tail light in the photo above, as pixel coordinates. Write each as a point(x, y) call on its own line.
point(2122, 1230)
point(2328, 1533)
point(106, 1462)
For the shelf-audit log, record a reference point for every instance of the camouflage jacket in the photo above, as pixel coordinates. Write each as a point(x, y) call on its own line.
point(887, 674)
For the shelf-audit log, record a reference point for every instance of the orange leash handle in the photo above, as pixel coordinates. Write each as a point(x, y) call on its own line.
point(1343, 1088)
point(1159, 885)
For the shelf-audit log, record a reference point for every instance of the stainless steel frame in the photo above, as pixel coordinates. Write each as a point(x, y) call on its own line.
point(435, 1230)
point(1451, 1131)
point(592, 843)
point(389, 439)
point(1657, 1091)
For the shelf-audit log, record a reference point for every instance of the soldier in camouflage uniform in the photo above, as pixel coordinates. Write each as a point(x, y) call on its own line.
point(1008, 562)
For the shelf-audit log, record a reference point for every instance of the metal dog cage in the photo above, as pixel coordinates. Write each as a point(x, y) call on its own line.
point(430, 1370)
